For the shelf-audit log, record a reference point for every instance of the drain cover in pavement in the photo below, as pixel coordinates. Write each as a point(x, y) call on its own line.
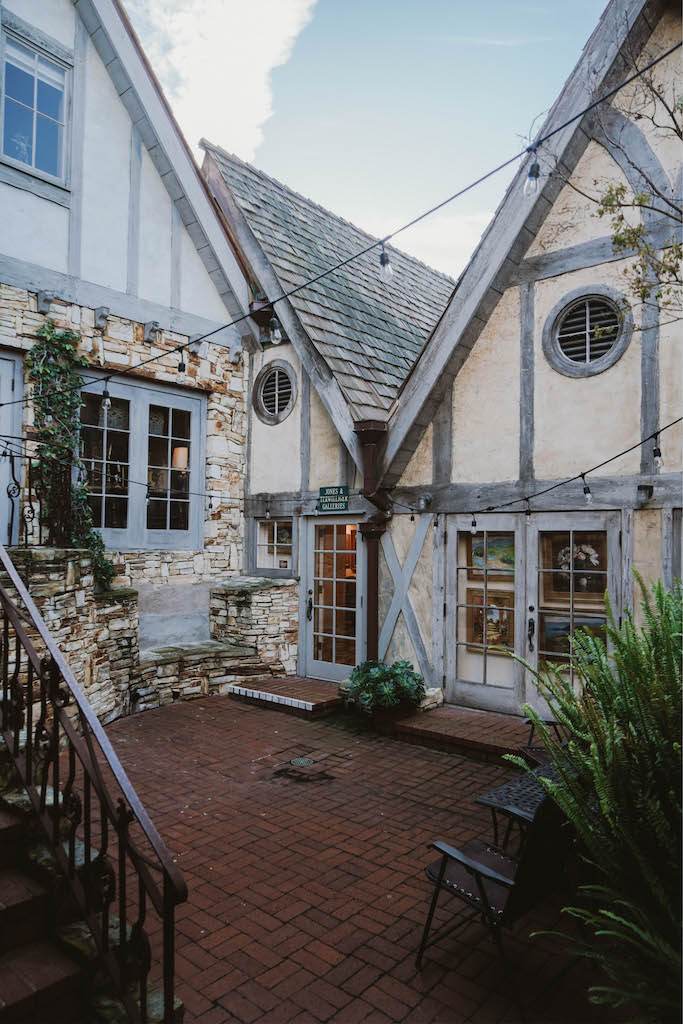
point(301, 762)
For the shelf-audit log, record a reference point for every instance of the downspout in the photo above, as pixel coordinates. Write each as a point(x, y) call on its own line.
point(371, 434)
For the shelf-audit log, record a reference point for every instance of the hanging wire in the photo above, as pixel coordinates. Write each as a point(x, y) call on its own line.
point(531, 148)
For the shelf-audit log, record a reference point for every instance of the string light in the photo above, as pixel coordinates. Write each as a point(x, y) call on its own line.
point(657, 454)
point(147, 496)
point(106, 399)
point(586, 490)
point(473, 527)
point(181, 365)
point(49, 418)
point(527, 512)
point(531, 183)
point(210, 504)
point(385, 267)
point(275, 330)
point(267, 513)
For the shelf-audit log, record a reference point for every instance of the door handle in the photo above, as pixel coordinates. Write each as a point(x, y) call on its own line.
point(530, 633)
point(309, 607)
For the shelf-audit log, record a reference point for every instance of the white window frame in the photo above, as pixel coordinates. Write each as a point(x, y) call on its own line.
point(136, 536)
point(44, 47)
point(253, 546)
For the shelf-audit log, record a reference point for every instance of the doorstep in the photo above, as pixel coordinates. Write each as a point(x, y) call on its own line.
point(295, 695)
point(482, 734)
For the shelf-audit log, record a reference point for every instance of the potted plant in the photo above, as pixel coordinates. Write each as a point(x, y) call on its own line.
point(385, 692)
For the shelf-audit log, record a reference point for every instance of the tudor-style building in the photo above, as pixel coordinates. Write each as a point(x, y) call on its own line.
point(431, 402)
point(107, 227)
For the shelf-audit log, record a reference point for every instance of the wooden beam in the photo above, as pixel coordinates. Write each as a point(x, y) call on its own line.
point(442, 439)
point(526, 382)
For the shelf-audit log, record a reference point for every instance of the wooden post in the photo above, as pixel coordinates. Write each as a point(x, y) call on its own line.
point(371, 433)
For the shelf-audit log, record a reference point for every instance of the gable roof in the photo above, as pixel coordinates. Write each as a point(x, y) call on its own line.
point(368, 331)
point(515, 224)
point(139, 90)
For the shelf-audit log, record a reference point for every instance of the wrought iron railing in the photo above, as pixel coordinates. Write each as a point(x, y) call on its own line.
point(40, 503)
point(118, 869)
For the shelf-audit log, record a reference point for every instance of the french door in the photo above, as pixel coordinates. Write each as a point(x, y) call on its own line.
point(333, 631)
point(522, 585)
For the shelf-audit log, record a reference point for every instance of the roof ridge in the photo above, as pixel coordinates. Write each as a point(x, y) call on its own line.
point(205, 144)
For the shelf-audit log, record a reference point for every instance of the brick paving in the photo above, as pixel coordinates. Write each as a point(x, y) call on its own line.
point(293, 694)
point(451, 728)
point(307, 891)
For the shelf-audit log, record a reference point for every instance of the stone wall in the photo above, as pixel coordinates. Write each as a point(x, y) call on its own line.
point(190, 671)
point(120, 344)
point(96, 633)
point(260, 613)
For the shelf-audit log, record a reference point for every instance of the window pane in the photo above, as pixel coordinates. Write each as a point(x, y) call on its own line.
point(117, 478)
point(117, 446)
point(158, 481)
point(91, 442)
point(322, 648)
point(591, 624)
point(284, 533)
point(555, 631)
point(589, 588)
point(158, 420)
point(19, 84)
point(180, 515)
point(94, 477)
point(116, 513)
point(346, 566)
point(324, 538)
point(18, 139)
point(345, 652)
point(345, 623)
point(346, 594)
point(590, 550)
point(323, 592)
point(50, 100)
point(324, 565)
point(180, 455)
point(156, 515)
point(323, 620)
point(118, 414)
point(95, 503)
point(181, 423)
point(48, 146)
point(91, 410)
point(158, 451)
point(180, 485)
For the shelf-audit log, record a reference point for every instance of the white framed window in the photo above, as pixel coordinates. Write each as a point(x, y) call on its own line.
point(34, 112)
point(143, 458)
point(275, 547)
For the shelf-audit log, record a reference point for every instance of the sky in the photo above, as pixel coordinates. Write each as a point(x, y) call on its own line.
point(375, 109)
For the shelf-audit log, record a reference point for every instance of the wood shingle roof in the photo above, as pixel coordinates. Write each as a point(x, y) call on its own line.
point(369, 332)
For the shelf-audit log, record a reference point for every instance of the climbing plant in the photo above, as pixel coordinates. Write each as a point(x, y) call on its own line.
point(54, 365)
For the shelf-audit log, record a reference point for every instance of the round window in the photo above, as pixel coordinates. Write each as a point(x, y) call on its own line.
point(587, 331)
point(274, 391)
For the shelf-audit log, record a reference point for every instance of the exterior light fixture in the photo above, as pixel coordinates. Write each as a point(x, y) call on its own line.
point(423, 502)
point(275, 330)
point(385, 267)
point(531, 183)
point(586, 490)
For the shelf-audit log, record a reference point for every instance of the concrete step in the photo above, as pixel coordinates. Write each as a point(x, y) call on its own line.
point(39, 983)
point(297, 695)
point(24, 905)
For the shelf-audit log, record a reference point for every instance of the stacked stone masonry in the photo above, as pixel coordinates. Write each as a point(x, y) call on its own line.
point(262, 613)
point(120, 345)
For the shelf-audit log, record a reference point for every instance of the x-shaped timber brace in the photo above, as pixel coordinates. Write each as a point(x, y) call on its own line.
point(401, 602)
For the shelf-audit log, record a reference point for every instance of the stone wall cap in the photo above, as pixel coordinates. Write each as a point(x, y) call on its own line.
point(195, 652)
point(247, 584)
point(102, 596)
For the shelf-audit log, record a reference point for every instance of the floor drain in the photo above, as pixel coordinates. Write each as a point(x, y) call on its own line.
point(301, 762)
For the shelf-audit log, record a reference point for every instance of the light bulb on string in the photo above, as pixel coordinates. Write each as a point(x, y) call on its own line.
point(385, 267)
point(412, 515)
point(275, 330)
point(147, 496)
point(106, 399)
point(534, 173)
point(527, 512)
point(586, 491)
point(181, 365)
point(657, 454)
point(267, 513)
point(49, 418)
point(473, 527)
point(210, 504)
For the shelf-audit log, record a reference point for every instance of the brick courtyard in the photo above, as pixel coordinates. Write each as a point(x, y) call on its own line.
point(307, 891)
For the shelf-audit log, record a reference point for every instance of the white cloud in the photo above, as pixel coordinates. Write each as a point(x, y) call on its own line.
point(214, 59)
point(444, 241)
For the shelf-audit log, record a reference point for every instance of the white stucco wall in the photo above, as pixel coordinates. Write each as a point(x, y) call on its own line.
point(54, 17)
point(580, 422)
point(32, 229)
point(486, 401)
point(198, 293)
point(275, 463)
point(670, 391)
point(154, 280)
point(324, 446)
point(420, 468)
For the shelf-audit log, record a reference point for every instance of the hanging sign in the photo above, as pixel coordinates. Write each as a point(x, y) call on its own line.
point(333, 499)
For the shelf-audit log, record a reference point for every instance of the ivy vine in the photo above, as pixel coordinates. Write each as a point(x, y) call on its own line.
point(54, 364)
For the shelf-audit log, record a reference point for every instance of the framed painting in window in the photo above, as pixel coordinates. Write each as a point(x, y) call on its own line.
point(490, 554)
point(500, 618)
point(585, 559)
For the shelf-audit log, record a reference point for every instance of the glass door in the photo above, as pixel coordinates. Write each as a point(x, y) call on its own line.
point(573, 561)
point(333, 622)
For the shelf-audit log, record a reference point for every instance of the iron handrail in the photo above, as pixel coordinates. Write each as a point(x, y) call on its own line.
point(95, 887)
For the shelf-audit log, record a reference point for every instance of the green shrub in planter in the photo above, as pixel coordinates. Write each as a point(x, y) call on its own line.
point(374, 686)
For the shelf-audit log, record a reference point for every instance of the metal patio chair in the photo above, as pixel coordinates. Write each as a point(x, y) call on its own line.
point(517, 800)
point(498, 887)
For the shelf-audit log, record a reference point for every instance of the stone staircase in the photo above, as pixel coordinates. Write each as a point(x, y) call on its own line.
point(50, 971)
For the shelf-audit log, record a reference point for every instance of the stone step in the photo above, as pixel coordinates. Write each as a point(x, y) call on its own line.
point(295, 695)
point(38, 982)
point(24, 905)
